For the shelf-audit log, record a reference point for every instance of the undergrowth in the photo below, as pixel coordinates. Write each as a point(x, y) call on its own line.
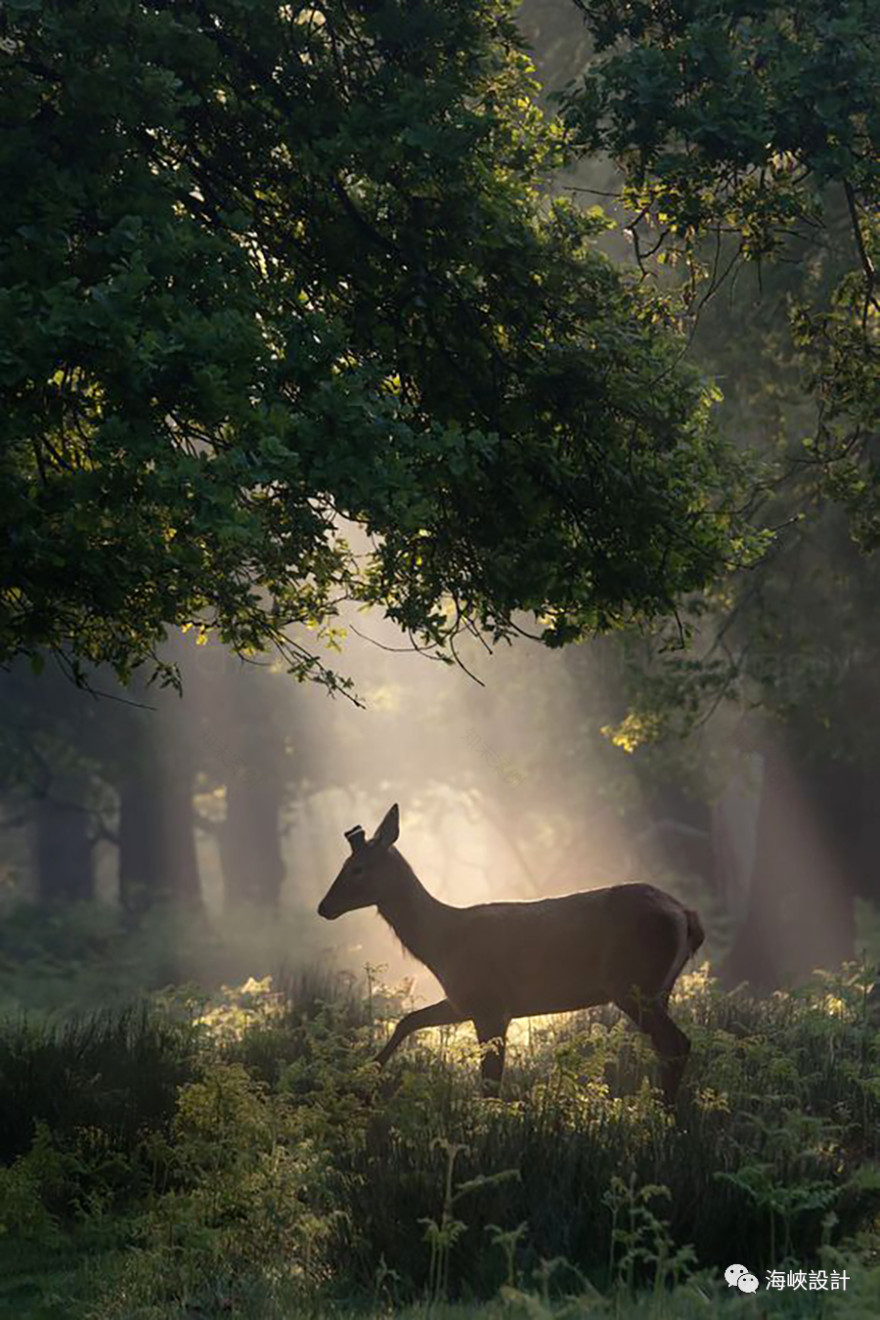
point(240, 1155)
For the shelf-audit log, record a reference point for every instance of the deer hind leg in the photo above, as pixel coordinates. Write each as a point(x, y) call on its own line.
point(492, 1035)
point(672, 1045)
point(442, 1014)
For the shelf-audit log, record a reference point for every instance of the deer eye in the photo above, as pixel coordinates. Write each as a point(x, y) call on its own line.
point(358, 869)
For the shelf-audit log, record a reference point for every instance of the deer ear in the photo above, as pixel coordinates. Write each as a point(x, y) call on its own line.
point(389, 831)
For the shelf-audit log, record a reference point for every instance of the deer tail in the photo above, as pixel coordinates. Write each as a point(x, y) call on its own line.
point(695, 932)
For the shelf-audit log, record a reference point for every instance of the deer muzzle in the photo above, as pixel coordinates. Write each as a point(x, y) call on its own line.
point(325, 911)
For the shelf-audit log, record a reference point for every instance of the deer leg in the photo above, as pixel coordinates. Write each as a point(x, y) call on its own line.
point(492, 1034)
point(672, 1045)
point(435, 1015)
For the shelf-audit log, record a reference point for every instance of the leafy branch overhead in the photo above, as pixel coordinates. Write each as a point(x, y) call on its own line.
point(748, 133)
point(270, 271)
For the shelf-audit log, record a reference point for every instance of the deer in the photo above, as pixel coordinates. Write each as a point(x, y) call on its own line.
point(625, 944)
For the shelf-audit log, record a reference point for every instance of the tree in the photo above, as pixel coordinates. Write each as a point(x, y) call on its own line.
point(82, 771)
point(745, 132)
point(746, 139)
point(248, 746)
point(268, 267)
point(154, 778)
point(48, 779)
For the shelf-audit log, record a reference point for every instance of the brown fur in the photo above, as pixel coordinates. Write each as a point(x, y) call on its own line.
point(625, 944)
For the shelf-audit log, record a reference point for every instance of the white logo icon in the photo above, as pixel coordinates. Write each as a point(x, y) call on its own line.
point(738, 1276)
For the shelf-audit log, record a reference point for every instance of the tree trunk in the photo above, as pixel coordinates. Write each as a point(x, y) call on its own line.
point(62, 852)
point(800, 912)
point(157, 844)
point(250, 841)
point(734, 822)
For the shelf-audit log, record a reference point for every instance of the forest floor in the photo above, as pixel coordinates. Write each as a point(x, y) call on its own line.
point(239, 1155)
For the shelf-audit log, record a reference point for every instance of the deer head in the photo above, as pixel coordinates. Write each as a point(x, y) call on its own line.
point(362, 881)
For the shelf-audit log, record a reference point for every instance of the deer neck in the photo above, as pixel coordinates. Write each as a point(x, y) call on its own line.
point(420, 921)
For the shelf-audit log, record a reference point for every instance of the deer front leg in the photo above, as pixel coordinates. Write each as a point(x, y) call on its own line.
point(492, 1035)
point(435, 1015)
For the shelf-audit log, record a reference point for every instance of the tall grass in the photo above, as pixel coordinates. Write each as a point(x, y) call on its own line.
point(241, 1155)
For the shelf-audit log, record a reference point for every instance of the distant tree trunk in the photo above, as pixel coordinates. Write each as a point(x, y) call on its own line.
point(62, 852)
point(157, 844)
point(846, 794)
point(734, 832)
point(800, 913)
point(250, 840)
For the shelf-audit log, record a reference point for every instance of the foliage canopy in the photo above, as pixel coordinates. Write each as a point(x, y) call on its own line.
point(746, 133)
point(269, 270)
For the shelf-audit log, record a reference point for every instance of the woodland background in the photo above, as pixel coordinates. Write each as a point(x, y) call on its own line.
point(333, 364)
